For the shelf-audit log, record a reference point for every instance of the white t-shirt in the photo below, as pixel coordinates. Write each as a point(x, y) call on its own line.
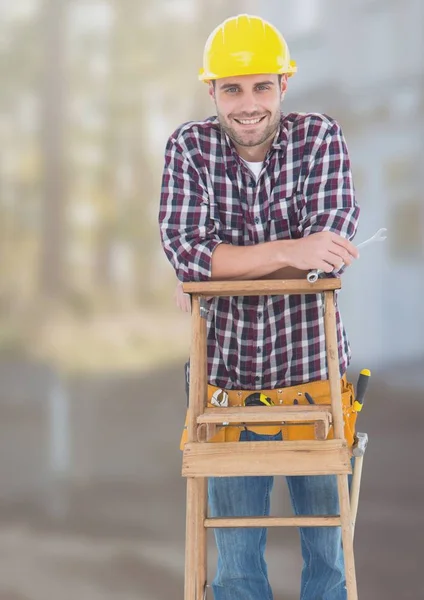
point(255, 167)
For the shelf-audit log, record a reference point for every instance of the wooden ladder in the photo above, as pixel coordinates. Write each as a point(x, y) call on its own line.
point(314, 457)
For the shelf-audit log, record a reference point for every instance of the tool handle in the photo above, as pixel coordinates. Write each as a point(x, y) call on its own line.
point(309, 398)
point(379, 236)
point(361, 388)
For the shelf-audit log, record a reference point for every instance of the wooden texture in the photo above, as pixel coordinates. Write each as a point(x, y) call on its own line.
point(260, 287)
point(190, 549)
point(206, 432)
point(266, 458)
point(315, 457)
point(322, 429)
point(355, 489)
point(333, 363)
point(195, 553)
point(198, 379)
point(201, 570)
point(300, 521)
point(347, 537)
point(268, 414)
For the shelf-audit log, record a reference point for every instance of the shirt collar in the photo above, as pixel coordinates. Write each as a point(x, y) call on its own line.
point(281, 136)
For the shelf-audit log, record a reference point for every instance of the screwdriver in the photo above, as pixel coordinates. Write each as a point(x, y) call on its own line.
point(361, 388)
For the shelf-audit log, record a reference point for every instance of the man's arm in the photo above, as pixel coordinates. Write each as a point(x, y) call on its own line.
point(248, 262)
point(187, 232)
point(189, 237)
point(325, 250)
point(287, 273)
point(328, 191)
point(328, 222)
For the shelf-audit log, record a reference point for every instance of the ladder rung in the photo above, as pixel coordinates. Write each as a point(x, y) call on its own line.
point(263, 287)
point(299, 521)
point(268, 414)
point(231, 459)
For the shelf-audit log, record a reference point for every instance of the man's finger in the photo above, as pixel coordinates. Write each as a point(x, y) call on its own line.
point(325, 266)
point(337, 259)
point(343, 254)
point(347, 244)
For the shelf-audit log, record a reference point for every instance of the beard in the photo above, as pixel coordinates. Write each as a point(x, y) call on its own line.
point(253, 137)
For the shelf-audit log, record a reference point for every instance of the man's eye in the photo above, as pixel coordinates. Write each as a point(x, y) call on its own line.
point(232, 90)
point(262, 87)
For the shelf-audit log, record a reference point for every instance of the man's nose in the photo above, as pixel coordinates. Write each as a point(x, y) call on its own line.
point(248, 103)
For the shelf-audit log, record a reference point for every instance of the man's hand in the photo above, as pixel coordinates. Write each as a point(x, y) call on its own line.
point(182, 300)
point(324, 250)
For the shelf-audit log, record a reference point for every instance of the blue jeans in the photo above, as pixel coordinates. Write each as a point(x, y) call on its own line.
point(242, 570)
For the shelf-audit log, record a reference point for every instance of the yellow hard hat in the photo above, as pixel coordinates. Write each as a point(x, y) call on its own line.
point(245, 45)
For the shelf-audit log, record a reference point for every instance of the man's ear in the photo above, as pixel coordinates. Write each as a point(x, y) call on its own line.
point(283, 84)
point(212, 90)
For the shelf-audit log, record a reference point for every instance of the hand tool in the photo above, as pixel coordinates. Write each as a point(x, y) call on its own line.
point(379, 236)
point(309, 398)
point(361, 388)
point(359, 446)
point(258, 399)
point(220, 398)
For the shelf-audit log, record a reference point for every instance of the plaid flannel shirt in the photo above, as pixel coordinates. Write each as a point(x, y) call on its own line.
point(209, 197)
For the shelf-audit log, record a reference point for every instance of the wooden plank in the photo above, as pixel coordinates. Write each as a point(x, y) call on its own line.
point(314, 457)
point(355, 489)
point(262, 287)
point(198, 378)
point(195, 551)
point(269, 414)
point(201, 537)
point(347, 537)
point(330, 328)
point(299, 521)
point(190, 548)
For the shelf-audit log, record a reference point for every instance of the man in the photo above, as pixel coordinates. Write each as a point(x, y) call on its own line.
point(248, 194)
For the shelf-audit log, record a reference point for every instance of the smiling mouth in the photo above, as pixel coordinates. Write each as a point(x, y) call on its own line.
point(254, 121)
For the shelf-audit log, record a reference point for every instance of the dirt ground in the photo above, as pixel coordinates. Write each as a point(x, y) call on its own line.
point(113, 528)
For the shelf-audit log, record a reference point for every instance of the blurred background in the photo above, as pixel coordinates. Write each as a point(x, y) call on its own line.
point(91, 345)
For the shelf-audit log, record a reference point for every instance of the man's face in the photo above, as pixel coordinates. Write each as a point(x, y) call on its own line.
point(248, 106)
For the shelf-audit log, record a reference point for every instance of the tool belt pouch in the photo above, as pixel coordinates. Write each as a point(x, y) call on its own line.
point(318, 390)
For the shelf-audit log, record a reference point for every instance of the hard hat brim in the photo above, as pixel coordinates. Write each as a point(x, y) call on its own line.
point(206, 77)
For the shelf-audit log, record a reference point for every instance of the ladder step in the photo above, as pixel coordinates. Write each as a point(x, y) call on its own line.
point(263, 287)
point(232, 459)
point(268, 414)
point(299, 521)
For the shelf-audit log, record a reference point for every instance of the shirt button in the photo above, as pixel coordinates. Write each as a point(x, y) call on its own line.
point(257, 378)
point(259, 315)
point(257, 220)
point(252, 183)
point(258, 349)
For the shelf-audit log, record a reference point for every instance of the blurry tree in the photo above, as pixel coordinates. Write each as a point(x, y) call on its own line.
point(20, 64)
point(154, 54)
point(53, 230)
point(104, 99)
point(126, 182)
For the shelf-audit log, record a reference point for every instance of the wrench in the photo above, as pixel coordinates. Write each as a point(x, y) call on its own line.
point(379, 236)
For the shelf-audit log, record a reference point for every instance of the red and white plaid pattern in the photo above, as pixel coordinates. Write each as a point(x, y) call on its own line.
point(209, 197)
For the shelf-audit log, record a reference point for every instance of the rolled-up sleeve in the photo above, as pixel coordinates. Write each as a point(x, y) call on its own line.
point(328, 191)
point(187, 233)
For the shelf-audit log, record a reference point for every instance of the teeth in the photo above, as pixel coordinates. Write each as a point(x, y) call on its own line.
point(249, 121)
